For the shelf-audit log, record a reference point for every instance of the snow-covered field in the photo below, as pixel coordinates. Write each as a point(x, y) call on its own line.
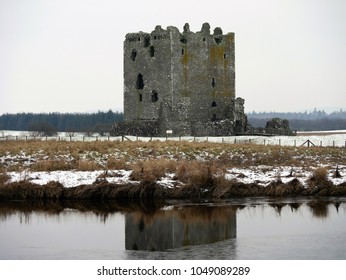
point(335, 138)
point(260, 174)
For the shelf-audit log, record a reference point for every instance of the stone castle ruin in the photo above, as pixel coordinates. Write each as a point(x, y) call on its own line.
point(182, 84)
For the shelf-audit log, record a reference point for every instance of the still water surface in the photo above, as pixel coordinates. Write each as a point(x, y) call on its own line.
point(233, 229)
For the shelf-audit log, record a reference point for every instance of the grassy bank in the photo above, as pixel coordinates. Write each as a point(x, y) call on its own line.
point(196, 169)
point(48, 156)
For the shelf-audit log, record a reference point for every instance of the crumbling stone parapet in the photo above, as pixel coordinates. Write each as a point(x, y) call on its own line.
point(183, 82)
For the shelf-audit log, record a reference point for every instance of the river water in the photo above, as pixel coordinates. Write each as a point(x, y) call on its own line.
point(255, 229)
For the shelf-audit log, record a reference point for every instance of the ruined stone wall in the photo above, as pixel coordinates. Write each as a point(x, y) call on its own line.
point(147, 74)
point(185, 81)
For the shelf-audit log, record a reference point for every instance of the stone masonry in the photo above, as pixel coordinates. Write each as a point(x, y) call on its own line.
point(180, 83)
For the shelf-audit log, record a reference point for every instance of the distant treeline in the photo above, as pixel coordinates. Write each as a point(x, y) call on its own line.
point(307, 125)
point(315, 120)
point(313, 115)
point(64, 122)
point(101, 122)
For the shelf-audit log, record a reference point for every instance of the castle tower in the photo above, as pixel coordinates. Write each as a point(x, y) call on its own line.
point(183, 82)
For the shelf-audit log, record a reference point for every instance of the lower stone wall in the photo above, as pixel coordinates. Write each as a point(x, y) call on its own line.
point(136, 128)
point(151, 128)
point(218, 128)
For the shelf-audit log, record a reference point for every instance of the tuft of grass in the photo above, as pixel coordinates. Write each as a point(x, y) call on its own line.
point(51, 165)
point(122, 155)
point(3, 178)
point(87, 165)
point(152, 169)
point(195, 173)
point(319, 178)
point(320, 174)
point(116, 164)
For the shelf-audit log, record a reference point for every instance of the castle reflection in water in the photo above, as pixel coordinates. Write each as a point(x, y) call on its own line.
point(176, 227)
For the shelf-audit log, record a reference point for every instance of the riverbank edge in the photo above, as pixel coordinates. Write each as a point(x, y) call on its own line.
point(213, 189)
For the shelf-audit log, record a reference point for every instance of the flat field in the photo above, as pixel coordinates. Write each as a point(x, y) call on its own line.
point(170, 165)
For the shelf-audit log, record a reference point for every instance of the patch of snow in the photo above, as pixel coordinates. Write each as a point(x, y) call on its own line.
point(168, 181)
point(71, 178)
point(262, 175)
point(319, 138)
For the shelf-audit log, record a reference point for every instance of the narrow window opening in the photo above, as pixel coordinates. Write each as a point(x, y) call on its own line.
point(213, 118)
point(146, 42)
point(152, 51)
point(183, 40)
point(182, 51)
point(213, 82)
point(154, 96)
point(140, 97)
point(213, 104)
point(224, 56)
point(133, 55)
point(203, 39)
point(154, 37)
point(139, 39)
point(141, 225)
point(140, 82)
point(218, 40)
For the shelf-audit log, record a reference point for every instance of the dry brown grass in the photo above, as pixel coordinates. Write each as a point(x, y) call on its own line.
point(117, 164)
point(320, 174)
point(152, 170)
point(222, 185)
point(27, 190)
point(123, 153)
point(52, 165)
point(319, 180)
point(3, 178)
point(195, 173)
point(87, 165)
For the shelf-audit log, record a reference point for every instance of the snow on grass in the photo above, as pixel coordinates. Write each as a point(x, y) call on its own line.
point(262, 175)
point(71, 178)
point(251, 165)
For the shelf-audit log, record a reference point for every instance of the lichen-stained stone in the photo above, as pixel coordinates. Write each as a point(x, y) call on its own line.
point(183, 82)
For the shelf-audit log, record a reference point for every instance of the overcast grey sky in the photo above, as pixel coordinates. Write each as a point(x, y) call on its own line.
point(67, 55)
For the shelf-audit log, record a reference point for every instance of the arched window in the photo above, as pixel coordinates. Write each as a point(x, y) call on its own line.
point(139, 82)
point(213, 104)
